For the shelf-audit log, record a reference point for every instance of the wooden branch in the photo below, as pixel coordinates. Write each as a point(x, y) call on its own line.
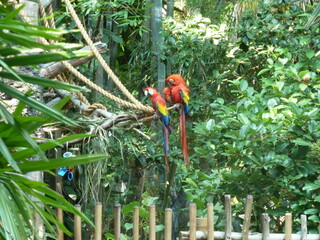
point(54, 69)
point(83, 107)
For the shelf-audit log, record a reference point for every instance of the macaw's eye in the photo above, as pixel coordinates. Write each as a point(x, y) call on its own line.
point(171, 81)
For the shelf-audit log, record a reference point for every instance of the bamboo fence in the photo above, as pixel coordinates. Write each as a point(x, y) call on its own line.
point(199, 228)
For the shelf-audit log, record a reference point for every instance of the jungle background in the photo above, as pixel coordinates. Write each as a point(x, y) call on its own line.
point(253, 71)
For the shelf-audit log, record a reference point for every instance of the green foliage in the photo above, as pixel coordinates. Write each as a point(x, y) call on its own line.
point(259, 142)
point(20, 151)
point(254, 105)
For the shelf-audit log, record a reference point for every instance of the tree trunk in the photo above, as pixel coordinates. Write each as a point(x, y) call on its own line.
point(157, 41)
point(113, 46)
point(170, 8)
point(170, 13)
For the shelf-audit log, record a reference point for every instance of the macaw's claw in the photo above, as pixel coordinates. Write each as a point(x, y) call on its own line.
point(156, 116)
point(177, 106)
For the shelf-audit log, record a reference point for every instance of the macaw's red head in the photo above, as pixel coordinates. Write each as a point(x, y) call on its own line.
point(149, 91)
point(175, 79)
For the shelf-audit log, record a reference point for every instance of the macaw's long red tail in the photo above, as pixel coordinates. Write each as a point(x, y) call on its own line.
point(166, 146)
point(183, 137)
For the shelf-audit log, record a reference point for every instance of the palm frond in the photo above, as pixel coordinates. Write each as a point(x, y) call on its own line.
point(313, 17)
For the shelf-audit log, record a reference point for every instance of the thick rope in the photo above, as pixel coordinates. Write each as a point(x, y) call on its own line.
point(50, 24)
point(92, 85)
point(81, 97)
point(86, 80)
point(105, 66)
point(100, 90)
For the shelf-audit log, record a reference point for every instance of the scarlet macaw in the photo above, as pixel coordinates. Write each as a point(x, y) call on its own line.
point(167, 94)
point(159, 105)
point(180, 95)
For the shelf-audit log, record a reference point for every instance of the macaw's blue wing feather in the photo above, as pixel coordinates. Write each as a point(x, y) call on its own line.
point(185, 99)
point(163, 111)
point(166, 145)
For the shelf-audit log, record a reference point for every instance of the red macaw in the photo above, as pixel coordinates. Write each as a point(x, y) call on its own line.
point(167, 94)
point(180, 95)
point(159, 105)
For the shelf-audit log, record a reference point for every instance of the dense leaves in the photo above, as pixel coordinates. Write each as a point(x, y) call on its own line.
point(20, 152)
point(255, 99)
point(259, 143)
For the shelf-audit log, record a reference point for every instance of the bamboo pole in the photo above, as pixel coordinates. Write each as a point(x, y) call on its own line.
point(202, 224)
point(210, 220)
point(265, 226)
point(77, 225)
point(247, 217)
point(152, 222)
point(59, 213)
point(98, 221)
point(288, 226)
point(117, 221)
point(192, 221)
point(304, 228)
point(228, 227)
point(136, 223)
point(168, 224)
point(59, 183)
point(60, 218)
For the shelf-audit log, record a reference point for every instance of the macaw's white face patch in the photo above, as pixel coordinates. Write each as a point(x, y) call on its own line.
point(148, 91)
point(171, 81)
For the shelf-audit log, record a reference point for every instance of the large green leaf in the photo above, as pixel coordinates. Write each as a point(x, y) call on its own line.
point(23, 40)
point(313, 17)
point(10, 217)
point(9, 69)
point(35, 104)
point(7, 155)
point(43, 82)
point(22, 188)
point(27, 153)
point(44, 58)
point(26, 29)
point(23, 133)
point(9, 51)
point(56, 163)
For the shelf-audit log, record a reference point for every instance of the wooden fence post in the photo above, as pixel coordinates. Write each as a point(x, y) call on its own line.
point(247, 218)
point(59, 212)
point(288, 226)
point(228, 227)
point(192, 221)
point(98, 221)
point(152, 222)
point(304, 228)
point(265, 226)
point(136, 223)
point(117, 221)
point(210, 221)
point(77, 225)
point(60, 217)
point(168, 224)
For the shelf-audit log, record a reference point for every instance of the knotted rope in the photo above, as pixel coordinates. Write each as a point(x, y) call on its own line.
point(136, 105)
point(105, 66)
